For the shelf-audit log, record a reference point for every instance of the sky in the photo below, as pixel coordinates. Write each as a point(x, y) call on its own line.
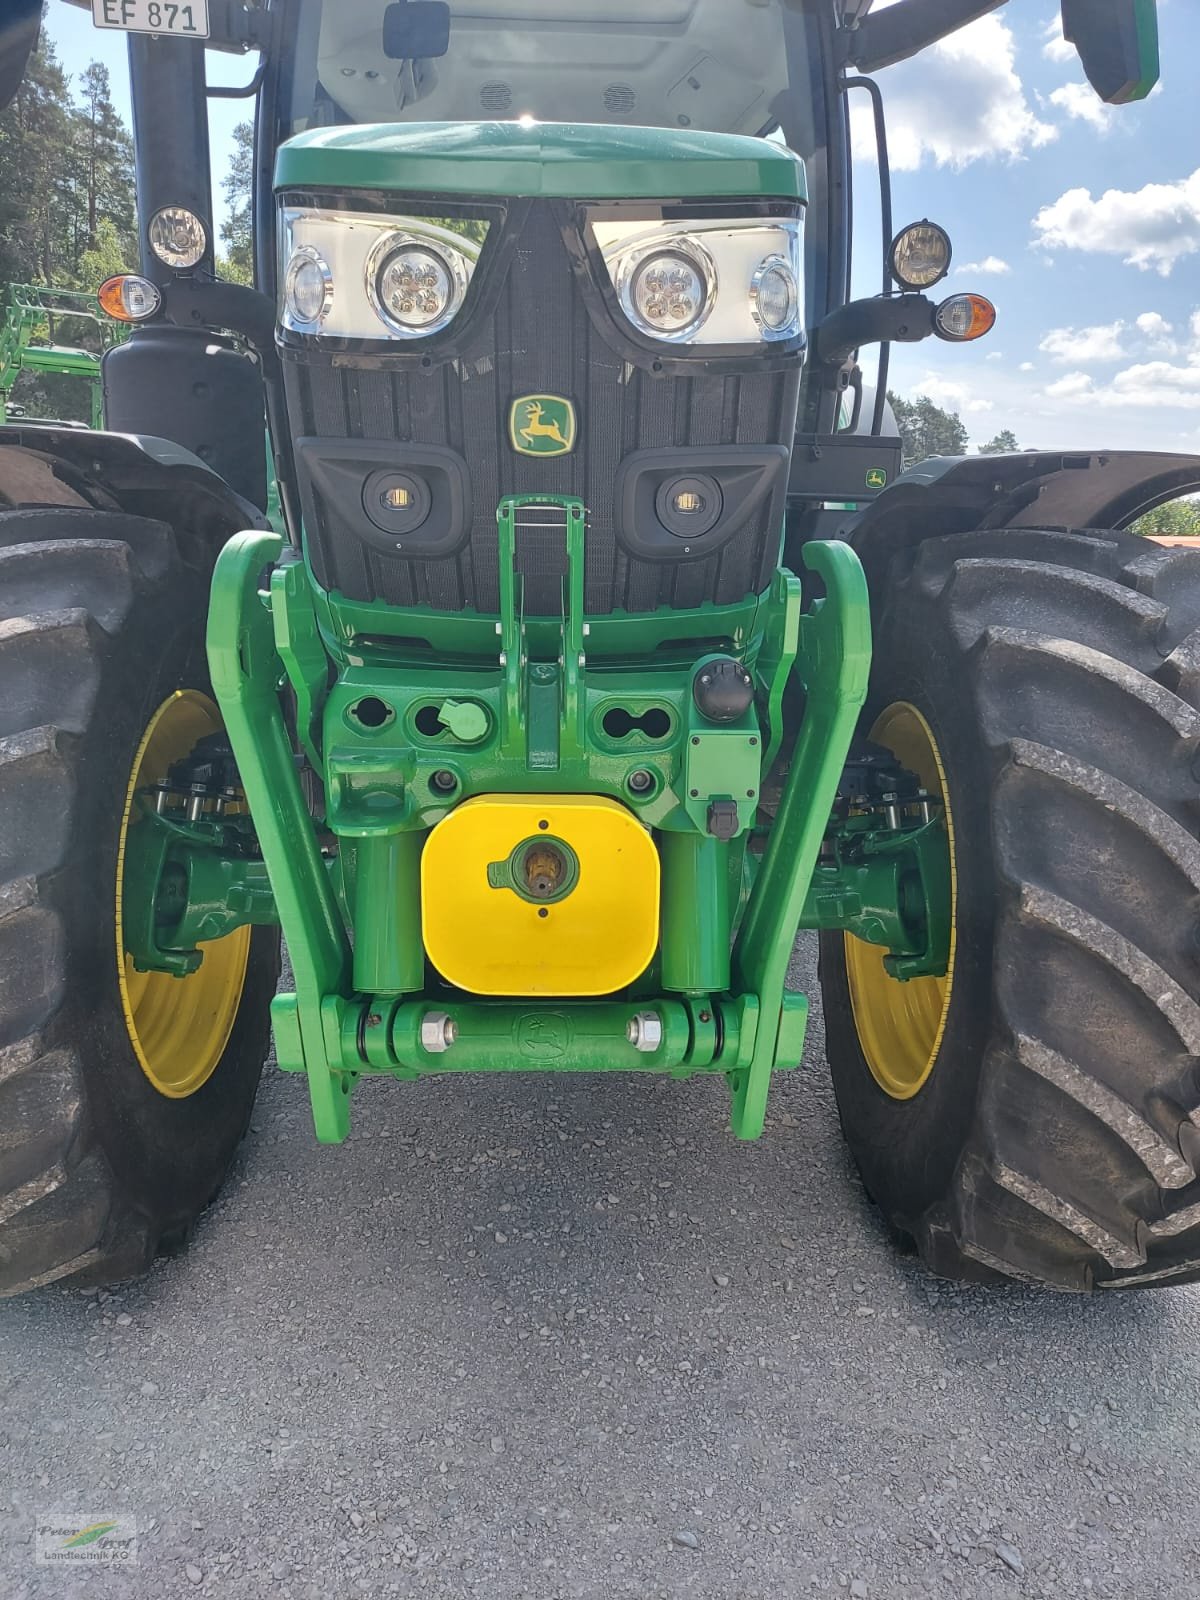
point(1081, 222)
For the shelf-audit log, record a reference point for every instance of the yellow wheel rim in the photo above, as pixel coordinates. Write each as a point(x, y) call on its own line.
point(178, 1027)
point(900, 1025)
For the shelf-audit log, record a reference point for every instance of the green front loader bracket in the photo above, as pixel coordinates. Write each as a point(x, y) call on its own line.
point(371, 1009)
point(246, 673)
point(834, 661)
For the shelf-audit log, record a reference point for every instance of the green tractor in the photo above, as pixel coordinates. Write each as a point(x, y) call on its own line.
point(603, 647)
point(25, 308)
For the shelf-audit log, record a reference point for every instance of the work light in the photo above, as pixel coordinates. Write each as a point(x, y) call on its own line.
point(177, 237)
point(920, 255)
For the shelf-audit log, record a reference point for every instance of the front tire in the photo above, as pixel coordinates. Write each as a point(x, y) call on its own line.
point(111, 1140)
point(1055, 1133)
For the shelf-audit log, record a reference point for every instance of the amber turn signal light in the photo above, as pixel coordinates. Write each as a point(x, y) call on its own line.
point(129, 298)
point(964, 317)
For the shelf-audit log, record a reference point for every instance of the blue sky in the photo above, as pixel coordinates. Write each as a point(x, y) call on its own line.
point(1082, 224)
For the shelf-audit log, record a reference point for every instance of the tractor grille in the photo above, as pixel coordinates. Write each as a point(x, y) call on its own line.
point(539, 339)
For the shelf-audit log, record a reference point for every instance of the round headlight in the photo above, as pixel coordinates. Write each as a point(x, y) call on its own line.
point(416, 289)
point(920, 255)
point(177, 237)
point(670, 293)
point(775, 298)
point(307, 287)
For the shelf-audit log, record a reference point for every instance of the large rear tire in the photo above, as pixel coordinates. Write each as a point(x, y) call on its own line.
point(111, 1139)
point(1044, 1123)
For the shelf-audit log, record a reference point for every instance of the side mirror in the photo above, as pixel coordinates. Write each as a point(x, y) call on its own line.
point(416, 30)
point(1117, 42)
point(18, 35)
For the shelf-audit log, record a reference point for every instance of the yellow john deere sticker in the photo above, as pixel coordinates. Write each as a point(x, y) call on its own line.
point(877, 478)
point(542, 425)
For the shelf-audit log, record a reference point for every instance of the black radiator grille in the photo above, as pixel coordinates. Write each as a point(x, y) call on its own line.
point(539, 339)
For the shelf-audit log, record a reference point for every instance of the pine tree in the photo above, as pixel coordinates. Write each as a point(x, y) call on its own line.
point(106, 159)
point(237, 231)
point(927, 430)
point(36, 173)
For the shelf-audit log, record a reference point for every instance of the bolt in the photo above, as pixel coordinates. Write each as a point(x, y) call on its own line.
point(640, 781)
point(444, 780)
point(645, 1031)
point(438, 1032)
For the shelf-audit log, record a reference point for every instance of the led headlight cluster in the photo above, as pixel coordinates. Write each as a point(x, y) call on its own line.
point(706, 282)
point(357, 276)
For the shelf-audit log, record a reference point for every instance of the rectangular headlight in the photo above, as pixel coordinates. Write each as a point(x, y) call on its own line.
point(708, 281)
point(354, 275)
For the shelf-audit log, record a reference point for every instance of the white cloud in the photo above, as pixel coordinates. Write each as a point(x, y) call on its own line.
point(1073, 383)
point(1081, 102)
point(962, 102)
point(991, 266)
point(1146, 385)
point(1056, 47)
point(1026, 366)
point(1152, 227)
point(1157, 332)
point(956, 397)
point(1150, 385)
point(1100, 343)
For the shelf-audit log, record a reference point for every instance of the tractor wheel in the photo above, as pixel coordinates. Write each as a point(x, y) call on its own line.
point(1036, 1113)
point(122, 1095)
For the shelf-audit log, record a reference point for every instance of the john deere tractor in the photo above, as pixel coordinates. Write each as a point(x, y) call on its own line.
point(601, 648)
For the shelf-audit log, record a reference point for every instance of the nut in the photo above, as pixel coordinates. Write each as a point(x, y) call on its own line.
point(645, 1031)
point(438, 1032)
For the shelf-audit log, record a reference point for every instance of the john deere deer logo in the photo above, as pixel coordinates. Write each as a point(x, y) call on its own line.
point(542, 425)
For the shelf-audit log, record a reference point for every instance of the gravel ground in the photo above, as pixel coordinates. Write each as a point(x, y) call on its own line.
point(538, 1337)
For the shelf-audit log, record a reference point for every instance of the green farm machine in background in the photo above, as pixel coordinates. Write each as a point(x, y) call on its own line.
point(25, 310)
point(604, 648)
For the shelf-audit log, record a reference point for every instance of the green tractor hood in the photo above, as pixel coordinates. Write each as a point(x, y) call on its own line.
point(569, 161)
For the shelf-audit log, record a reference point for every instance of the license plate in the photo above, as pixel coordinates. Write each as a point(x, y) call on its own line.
point(188, 21)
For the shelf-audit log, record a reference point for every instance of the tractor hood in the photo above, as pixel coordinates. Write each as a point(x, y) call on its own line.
point(549, 160)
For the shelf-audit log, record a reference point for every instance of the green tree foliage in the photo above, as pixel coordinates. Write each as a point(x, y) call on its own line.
point(237, 230)
point(66, 167)
point(66, 207)
point(1178, 519)
point(927, 430)
point(105, 167)
point(1005, 443)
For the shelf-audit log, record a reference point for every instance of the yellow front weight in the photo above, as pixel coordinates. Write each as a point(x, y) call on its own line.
point(553, 896)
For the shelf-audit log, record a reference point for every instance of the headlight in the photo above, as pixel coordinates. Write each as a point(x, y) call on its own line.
point(920, 255)
point(177, 237)
point(414, 287)
point(706, 282)
point(775, 297)
point(667, 292)
point(308, 287)
point(395, 277)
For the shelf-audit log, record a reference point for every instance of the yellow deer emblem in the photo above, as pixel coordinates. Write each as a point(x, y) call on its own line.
point(542, 425)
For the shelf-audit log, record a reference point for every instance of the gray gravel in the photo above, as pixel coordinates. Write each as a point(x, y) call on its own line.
point(536, 1337)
